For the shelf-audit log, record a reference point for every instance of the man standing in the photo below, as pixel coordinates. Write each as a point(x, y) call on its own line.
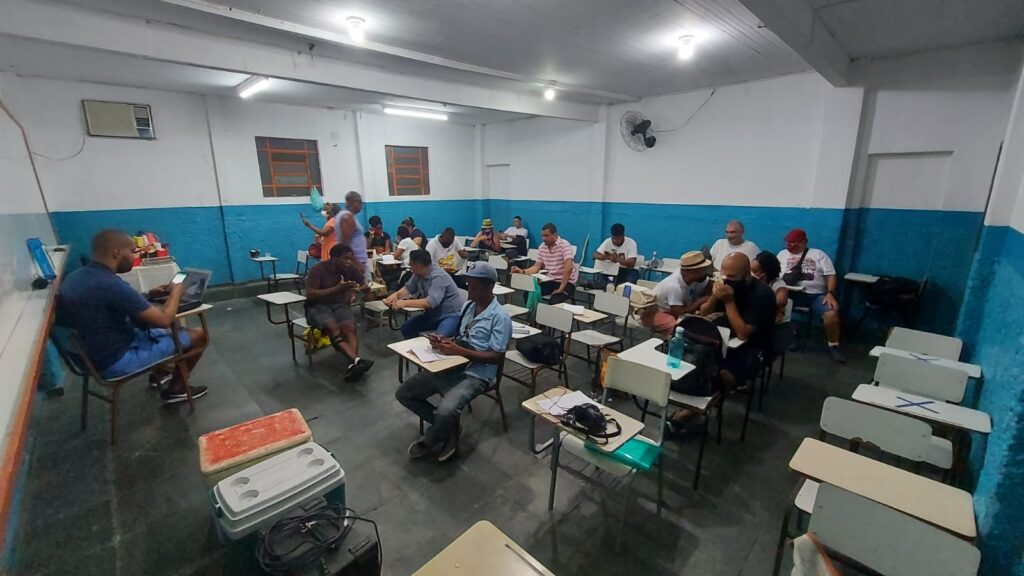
point(484, 331)
point(120, 331)
point(330, 291)
point(818, 279)
point(618, 250)
point(434, 291)
point(447, 252)
point(733, 242)
point(683, 292)
point(351, 233)
point(556, 256)
point(749, 307)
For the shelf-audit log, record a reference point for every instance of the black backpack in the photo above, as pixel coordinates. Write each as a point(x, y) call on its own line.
point(892, 292)
point(703, 350)
point(540, 348)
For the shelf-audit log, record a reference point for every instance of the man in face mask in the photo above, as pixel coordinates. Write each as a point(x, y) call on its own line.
point(749, 308)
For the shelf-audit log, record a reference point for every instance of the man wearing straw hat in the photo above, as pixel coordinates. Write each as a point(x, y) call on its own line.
point(682, 292)
point(486, 238)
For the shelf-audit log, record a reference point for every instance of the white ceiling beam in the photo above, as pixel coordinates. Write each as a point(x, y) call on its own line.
point(75, 26)
point(795, 22)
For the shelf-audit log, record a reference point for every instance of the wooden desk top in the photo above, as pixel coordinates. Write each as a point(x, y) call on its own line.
point(924, 408)
point(862, 278)
point(198, 310)
point(483, 550)
point(630, 426)
point(264, 259)
point(587, 316)
point(943, 506)
point(972, 370)
point(404, 348)
point(282, 298)
point(500, 290)
point(646, 353)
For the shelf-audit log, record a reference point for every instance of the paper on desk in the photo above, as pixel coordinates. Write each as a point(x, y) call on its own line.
point(518, 328)
point(427, 354)
point(574, 308)
point(561, 404)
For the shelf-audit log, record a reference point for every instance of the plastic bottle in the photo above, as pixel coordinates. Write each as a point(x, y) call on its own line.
point(676, 349)
point(610, 287)
point(654, 260)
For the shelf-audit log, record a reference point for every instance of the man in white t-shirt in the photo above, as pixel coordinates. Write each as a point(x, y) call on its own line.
point(516, 229)
point(818, 279)
point(448, 253)
point(618, 252)
point(683, 292)
point(733, 242)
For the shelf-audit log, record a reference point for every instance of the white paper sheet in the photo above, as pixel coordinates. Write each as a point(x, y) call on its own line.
point(561, 404)
point(427, 354)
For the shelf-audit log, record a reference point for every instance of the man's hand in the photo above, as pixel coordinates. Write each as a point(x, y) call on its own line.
point(558, 291)
point(177, 289)
point(391, 299)
point(448, 347)
point(517, 270)
point(397, 304)
point(830, 301)
point(722, 292)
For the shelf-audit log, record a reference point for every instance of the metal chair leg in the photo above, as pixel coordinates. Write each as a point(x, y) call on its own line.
point(113, 415)
point(700, 453)
point(721, 405)
point(782, 540)
point(554, 469)
point(85, 401)
point(746, 414)
point(501, 408)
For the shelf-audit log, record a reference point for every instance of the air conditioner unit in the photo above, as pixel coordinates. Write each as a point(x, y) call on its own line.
point(119, 119)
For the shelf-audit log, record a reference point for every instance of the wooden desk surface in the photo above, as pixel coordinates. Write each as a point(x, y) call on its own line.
point(630, 426)
point(646, 353)
point(483, 550)
point(972, 370)
point(282, 298)
point(943, 506)
point(404, 348)
point(500, 290)
point(924, 408)
point(587, 316)
point(264, 259)
point(861, 278)
point(198, 310)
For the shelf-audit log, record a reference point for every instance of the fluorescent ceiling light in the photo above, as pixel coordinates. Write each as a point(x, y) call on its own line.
point(549, 92)
point(686, 47)
point(251, 86)
point(356, 28)
point(415, 113)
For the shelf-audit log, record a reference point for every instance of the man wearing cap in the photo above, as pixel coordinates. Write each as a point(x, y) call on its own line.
point(733, 242)
point(682, 292)
point(555, 255)
point(486, 238)
point(818, 279)
point(482, 338)
point(618, 251)
point(432, 290)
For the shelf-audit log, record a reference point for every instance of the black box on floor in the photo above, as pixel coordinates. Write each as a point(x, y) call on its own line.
point(357, 555)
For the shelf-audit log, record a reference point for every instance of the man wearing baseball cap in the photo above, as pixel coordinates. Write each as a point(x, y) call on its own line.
point(812, 269)
point(683, 292)
point(484, 331)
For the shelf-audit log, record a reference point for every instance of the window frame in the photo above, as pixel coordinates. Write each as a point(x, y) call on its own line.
point(310, 153)
point(422, 166)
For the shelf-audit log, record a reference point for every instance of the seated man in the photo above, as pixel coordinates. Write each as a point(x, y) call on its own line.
point(733, 242)
point(120, 331)
point(433, 290)
point(449, 254)
point(556, 256)
point(484, 331)
point(486, 238)
point(749, 307)
point(818, 279)
point(618, 250)
point(683, 292)
point(330, 291)
point(517, 235)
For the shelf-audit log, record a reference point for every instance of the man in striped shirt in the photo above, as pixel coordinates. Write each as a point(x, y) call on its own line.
point(555, 255)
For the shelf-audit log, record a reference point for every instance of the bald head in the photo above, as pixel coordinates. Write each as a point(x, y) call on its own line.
point(353, 202)
point(736, 266)
point(734, 232)
point(114, 249)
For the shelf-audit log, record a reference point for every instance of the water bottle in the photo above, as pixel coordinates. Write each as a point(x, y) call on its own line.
point(654, 260)
point(676, 349)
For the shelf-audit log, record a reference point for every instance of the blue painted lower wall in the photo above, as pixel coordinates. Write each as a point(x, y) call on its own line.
point(992, 326)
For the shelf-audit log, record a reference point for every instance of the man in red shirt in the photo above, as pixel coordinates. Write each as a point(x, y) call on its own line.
point(555, 255)
point(330, 290)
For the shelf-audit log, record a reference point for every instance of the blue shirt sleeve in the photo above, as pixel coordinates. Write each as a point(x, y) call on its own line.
point(412, 286)
point(501, 332)
point(123, 297)
point(435, 293)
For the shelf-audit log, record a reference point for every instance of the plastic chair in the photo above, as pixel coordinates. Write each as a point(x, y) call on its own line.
point(925, 343)
point(299, 277)
point(613, 305)
point(501, 266)
point(921, 377)
point(641, 453)
point(559, 322)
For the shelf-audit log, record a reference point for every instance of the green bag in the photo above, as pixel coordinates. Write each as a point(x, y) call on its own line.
point(533, 299)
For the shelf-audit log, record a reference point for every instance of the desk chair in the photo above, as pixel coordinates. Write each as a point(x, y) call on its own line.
point(783, 338)
point(614, 306)
point(872, 536)
point(520, 283)
point(906, 308)
point(299, 277)
point(921, 377)
point(67, 342)
point(894, 434)
point(528, 260)
point(501, 266)
point(553, 320)
point(494, 393)
point(646, 383)
point(925, 343)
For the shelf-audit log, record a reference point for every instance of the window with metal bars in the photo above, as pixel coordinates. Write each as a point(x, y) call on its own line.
point(408, 170)
point(288, 167)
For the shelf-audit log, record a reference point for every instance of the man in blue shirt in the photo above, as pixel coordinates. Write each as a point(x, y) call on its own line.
point(120, 331)
point(434, 291)
point(484, 331)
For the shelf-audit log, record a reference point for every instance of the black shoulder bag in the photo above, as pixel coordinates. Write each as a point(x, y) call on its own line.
point(794, 275)
point(587, 419)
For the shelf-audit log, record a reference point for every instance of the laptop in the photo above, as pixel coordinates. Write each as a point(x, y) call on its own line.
point(196, 281)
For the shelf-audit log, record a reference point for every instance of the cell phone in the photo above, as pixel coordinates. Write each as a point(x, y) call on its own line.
point(179, 278)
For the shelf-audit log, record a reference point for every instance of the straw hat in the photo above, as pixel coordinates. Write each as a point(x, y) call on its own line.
point(693, 260)
point(487, 225)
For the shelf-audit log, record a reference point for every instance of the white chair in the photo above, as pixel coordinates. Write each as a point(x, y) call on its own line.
point(887, 541)
point(893, 433)
point(651, 284)
point(531, 256)
point(301, 264)
point(647, 383)
point(921, 377)
point(613, 305)
point(522, 283)
point(925, 343)
point(558, 321)
point(501, 266)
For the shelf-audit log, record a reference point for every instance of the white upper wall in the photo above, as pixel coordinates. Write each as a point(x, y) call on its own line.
point(1007, 205)
point(176, 169)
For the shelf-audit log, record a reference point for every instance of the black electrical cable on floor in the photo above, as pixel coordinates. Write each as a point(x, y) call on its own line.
point(319, 532)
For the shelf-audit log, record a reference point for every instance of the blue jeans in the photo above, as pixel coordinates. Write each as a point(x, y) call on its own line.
point(149, 347)
point(443, 325)
point(456, 390)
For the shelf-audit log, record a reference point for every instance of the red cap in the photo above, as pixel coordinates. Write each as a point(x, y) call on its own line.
point(796, 235)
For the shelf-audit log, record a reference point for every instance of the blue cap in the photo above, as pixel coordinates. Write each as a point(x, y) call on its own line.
point(481, 270)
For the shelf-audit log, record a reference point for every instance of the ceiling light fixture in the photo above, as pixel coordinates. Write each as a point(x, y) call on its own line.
point(549, 92)
point(686, 47)
point(356, 28)
point(415, 113)
point(252, 85)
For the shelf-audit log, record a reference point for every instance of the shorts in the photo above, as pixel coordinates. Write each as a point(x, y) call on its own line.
point(320, 315)
point(658, 320)
point(816, 302)
point(742, 363)
point(149, 347)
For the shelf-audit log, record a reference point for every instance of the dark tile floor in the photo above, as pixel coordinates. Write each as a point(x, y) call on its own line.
point(142, 508)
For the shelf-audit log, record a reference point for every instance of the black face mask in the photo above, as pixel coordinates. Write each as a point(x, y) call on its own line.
point(739, 287)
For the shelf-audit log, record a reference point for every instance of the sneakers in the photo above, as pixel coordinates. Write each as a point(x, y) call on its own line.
point(837, 355)
point(357, 369)
point(451, 445)
point(160, 381)
point(418, 449)
point(168, 397)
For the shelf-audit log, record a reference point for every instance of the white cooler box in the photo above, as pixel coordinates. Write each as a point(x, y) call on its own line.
point(256, 497)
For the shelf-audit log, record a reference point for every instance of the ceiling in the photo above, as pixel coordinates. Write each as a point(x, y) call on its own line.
point(40, 59)
point(879, 28)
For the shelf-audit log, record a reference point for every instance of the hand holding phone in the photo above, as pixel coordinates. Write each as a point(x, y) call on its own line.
point(179, 278)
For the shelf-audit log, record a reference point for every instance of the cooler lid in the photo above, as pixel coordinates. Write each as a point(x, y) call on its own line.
point(247, 441)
